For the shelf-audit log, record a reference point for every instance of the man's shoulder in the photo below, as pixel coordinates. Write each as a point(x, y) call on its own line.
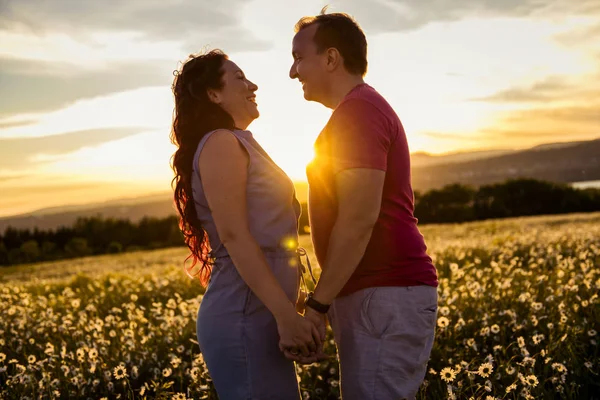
point(368, 99)
point(364, 106)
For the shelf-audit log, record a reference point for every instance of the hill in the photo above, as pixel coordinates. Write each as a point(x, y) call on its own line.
point(564, 163)
point(421, 159)
point(158, 206)
point(556, 162)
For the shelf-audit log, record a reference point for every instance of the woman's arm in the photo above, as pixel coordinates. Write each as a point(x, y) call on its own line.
point(223, 166)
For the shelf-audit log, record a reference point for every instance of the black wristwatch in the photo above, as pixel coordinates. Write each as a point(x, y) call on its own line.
point(315, 305)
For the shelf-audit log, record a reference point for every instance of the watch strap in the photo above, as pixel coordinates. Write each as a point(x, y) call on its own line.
point(315, 305)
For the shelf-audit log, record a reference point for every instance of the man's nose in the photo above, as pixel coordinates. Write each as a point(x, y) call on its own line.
point(293, 71)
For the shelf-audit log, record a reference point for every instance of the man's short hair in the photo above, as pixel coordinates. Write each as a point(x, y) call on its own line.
point(341, 31)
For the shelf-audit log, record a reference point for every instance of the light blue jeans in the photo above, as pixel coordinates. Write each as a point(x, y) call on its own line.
point(384, 337)
point(238, 335)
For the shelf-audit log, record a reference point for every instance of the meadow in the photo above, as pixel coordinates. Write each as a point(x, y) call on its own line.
point(518, 319)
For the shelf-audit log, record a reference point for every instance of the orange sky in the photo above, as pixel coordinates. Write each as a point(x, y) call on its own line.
point(86, 103)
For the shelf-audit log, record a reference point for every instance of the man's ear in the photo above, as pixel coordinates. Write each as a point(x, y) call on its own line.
point(213, 96)
point(334, 58)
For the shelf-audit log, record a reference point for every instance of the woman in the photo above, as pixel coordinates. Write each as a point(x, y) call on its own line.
point(233, 200)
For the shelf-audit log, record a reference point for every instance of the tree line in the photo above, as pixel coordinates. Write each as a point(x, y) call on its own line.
point(88, 236)
point(451, 204)
point(513, 198)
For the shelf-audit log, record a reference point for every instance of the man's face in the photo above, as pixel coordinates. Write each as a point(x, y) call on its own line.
point(309, 65)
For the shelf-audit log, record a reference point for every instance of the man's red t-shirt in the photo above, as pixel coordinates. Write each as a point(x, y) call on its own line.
point(365, 132)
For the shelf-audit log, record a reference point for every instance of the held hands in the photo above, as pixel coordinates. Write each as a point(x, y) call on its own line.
point(304, 348)
point(319, 321)
point(297, 334)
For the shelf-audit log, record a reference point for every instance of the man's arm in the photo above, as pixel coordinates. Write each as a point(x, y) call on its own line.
point(359, 194)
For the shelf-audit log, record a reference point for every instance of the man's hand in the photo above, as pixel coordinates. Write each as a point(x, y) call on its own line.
point(319, 321)
point(297, 334)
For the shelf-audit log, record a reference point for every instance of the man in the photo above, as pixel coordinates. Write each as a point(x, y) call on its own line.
point(378, 285)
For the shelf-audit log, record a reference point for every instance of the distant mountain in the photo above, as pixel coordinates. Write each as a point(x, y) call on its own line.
point(563, 162)
point(422, 159)
point(557, 162)
point(118, 204)
point(550, 146)
point(158, 206)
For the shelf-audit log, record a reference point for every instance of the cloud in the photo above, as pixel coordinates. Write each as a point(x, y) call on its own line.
point(6, 178)
point(513, 134)
point(551, 88)
point(588, 117)
point(186, 20)
point(148, 107)
point(51, 189)
point(543, 125)
point(402, 15)
point(582, 35)
point(16, 153)
point(37, 86)
point(5, 124)
point(449, 136)
point(54, 53)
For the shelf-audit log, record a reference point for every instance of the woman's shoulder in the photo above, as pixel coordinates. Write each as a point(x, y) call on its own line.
point(228, 135)
point(222, 144)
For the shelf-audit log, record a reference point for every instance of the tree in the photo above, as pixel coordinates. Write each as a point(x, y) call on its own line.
point(48, 249)
point(30, 251)
point(3, 253)
point(77, 247)
point(15, 256)
point(115, 247)
point(452, 203)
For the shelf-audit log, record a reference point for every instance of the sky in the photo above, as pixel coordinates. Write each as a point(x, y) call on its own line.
point(85, 86)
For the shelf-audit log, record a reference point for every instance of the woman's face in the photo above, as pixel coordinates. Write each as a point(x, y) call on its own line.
point(237, 96)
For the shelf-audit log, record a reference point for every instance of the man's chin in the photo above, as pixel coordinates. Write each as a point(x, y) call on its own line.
point(311, 98)
point(307, 96)
point(310, 95)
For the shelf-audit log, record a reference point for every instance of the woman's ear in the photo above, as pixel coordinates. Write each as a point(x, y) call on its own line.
point(214, 96)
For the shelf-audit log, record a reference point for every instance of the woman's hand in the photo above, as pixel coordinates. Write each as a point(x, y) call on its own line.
point(319, 321)
point(297, 335)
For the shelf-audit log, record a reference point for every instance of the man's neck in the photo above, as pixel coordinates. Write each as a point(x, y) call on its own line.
point(340, 88)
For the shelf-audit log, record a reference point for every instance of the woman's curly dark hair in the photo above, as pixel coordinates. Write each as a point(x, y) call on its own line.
point(194, 116)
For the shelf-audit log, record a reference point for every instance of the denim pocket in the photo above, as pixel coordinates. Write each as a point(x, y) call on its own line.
point(431, 309)
point(365, 312)
point(427, 300)
point(247, 300)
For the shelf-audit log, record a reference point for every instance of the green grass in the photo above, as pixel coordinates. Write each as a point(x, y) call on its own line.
point(520, 295)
